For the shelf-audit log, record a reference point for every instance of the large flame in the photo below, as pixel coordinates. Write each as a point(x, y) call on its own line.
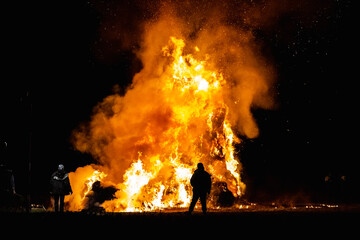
point(179, 111)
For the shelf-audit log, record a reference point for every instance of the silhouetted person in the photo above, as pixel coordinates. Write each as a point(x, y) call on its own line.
point(7, 182)
point(60, 186)
point(201, 183)
point(7, 187)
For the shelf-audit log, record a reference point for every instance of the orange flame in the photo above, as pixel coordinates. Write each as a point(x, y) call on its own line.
point(179, 111)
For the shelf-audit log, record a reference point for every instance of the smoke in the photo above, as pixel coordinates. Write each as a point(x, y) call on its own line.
point(122, 22)
point(118, 121)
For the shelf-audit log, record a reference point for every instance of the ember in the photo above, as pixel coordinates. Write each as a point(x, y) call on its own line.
point(187, 105)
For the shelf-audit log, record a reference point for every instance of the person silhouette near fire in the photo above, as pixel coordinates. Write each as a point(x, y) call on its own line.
point(60, 186)
point(201, 183)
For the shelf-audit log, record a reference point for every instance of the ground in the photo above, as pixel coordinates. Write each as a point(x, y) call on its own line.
point(312, 220)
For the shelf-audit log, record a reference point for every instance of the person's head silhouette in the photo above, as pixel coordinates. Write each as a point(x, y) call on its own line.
point(61, 167)
point(200, 166)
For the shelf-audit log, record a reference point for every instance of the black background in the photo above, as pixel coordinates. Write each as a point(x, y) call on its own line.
point(56, 69)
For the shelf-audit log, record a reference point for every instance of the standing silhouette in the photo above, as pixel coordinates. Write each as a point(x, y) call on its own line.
point(201, 183)
point(60, 186)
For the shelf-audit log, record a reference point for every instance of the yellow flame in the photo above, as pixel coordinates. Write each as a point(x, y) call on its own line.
point(96, 176)
point(196, 128)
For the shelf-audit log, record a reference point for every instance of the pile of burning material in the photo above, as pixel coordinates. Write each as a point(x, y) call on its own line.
point(96, 196)
point(221, 196)
point(188, 104)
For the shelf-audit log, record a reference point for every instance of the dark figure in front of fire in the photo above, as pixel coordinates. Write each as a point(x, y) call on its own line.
point(201, 183)
point(60, 186)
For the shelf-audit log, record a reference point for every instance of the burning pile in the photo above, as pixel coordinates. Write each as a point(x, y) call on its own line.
point(181, 109)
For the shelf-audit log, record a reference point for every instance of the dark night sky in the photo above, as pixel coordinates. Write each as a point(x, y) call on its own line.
point(56, 62)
